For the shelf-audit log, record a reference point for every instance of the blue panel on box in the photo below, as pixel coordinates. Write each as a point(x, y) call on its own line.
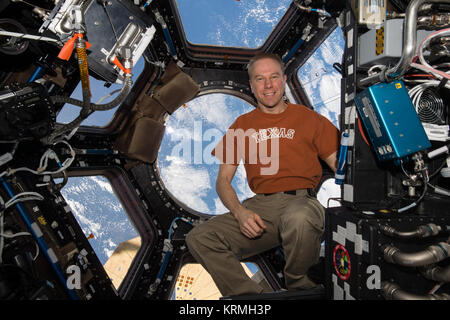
point(391, 121)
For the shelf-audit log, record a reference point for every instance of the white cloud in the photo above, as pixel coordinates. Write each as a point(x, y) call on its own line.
point(79, 210)
point(249, 28)
point(108, 252)
point(243, 190)
point(262, 13)
point(187, 183)
point(178, 134)
point(219, 208)
point(329, 87)
point(241, 187)
point(213, 109)
point(104, 185)
point(110, 243)
point(331, 52)
point(190, 123)
point(257, 16)
point(178, 164)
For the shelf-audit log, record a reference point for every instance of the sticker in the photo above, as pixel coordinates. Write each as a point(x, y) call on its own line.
point(341, 262)
point(398, 85)
point(41, 220)
point(379, 42)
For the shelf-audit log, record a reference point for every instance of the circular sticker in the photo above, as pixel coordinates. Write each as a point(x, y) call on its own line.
point(341, 262)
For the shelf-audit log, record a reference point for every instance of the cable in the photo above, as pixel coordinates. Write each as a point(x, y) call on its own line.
point(30, 196)
point(320, 12)
point(340, 173)
point(362, 132)
point(103, 3)
point(412, 205)
point(409, 46)
point(371, 71)
point(173, 226)
point(49, 154)
point(18, 234)
point(2, 241)
point(92, 107)
point(425, 178)
point(339, 199)
point(424, 44)
point(107, 96)
point(435, 72)
point(38, 236)
point(438, 169)
point(33, 5)
point(167, 253)
point(28, 36)
point(24, 196)
point(440, 190)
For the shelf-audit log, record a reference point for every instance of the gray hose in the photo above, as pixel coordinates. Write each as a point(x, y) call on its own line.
point(430, 255)
point(85, 112)
point(421, 232)
point(437, 273)
point(409, 45)
point(392, 291)
point(99, 107)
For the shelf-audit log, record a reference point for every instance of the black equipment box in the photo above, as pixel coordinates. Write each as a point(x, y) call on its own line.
point(354, 253)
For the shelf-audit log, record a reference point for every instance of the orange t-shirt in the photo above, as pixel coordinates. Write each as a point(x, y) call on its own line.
point(280, 152)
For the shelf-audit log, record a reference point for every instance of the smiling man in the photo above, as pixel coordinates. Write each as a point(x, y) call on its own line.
point(284, 210)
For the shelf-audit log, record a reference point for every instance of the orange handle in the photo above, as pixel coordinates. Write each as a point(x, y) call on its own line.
point(117, 63)
point(67, 49)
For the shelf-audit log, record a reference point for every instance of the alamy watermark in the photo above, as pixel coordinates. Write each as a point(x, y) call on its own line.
point(260, 146)
point(73, 277)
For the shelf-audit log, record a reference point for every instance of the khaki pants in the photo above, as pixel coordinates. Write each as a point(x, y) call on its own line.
point(294, 221)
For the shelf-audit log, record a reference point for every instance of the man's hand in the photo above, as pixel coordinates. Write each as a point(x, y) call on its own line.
point(251, 224)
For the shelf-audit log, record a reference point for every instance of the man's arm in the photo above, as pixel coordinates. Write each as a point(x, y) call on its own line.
point(224, 189)
point(251, 224)
point(332, 161)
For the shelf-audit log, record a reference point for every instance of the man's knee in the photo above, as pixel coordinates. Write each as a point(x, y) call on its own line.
point(202, 238)
point(192, 238)
point(305, 214)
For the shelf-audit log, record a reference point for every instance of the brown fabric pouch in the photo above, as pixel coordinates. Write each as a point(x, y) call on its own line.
point(140, 136)
point(174, 89)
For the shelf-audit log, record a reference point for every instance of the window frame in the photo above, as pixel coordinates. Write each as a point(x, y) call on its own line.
point(176, 6)
point(136, 214)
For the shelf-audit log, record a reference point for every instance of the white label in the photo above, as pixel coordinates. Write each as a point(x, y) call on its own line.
point(104, 51)
point(37, 231)
point(350, 38)
point(52, 255)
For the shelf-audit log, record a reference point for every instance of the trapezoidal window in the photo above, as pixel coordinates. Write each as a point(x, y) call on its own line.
point(195, 283)
point(230, 23)
point(104, 222)
point(186, 166)
point(322, 84)
point(321, 81)
point(100, 95)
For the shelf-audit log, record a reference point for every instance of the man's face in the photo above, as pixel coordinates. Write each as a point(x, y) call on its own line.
point(267, 83)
